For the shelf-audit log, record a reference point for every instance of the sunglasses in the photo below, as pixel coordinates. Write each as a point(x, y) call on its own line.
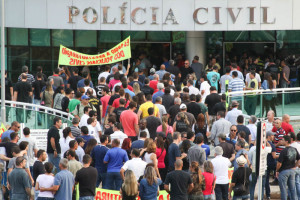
point(234, 130)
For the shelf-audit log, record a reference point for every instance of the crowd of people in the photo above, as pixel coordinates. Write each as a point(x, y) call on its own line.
point(146, 131)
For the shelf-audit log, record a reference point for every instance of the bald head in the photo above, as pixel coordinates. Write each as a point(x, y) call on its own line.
point(162, 67)
point(271, 115)
point(286, 118)
point(178, 164)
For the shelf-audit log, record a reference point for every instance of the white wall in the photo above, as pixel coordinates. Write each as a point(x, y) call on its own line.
point(54, 14)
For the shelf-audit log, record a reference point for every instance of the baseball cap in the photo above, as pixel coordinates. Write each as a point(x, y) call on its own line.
point(152, 71)
point(85, 97)
point(270, 133)
point(182, 106)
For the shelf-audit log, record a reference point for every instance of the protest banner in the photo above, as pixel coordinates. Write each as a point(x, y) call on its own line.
point(2, 130)
point(118, 53)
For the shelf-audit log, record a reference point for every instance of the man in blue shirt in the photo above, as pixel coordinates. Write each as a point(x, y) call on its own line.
point(239, 147)
point(63, 182)
point(115, 158)
point(159, 93)
point(174, 152)
point(98, 153)
point(139, 144)
point(214, 77)
point(80, 83)
point(85, 135)
point(15, 127)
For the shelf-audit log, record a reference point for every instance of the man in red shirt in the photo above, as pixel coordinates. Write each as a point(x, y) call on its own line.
point(129, 120)
point(285, 125)
point(153, 83)
point(104, 100)
point(116, 103)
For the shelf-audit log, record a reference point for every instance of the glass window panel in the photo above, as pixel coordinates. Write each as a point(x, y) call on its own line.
point(262, 36)
point(135, 35)
point(236, 36)
point(159, 36)
point(17, 57)
point(109, 37)
point(18, 36)
point(40, 37)
point(288, 36)
point(214, 39)
point(41, 56)
point(62, 37)
point(86, 38)
point(178, 37)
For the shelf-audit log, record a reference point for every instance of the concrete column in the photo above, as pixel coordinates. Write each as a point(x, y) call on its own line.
point(195, 45)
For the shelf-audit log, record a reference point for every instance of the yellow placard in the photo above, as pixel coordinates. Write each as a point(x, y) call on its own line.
point(2, 130)
point(118, 53)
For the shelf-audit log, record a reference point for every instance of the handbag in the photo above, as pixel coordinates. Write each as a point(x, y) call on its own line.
point(239, 190)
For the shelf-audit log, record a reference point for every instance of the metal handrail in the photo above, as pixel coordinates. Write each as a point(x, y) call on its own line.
point(39, 108)
point(267, 90)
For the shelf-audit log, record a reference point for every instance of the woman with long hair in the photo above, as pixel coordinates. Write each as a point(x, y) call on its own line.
point(198, 181)
point(47, 95)
point(210, 180)
point(129, 189)
point(149, 185)
point(126, 145)
point(164, 127)
point(90, 145)
point(201, 127)
point(269, 99)
point(57, 98)
point(65, 140)
point(182, 123)
point(150, 156)
point(161, 154)
point(136, 88)
point(184, 148)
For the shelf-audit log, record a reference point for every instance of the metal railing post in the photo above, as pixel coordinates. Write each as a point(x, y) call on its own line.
point(282, 108)
point(261, 105)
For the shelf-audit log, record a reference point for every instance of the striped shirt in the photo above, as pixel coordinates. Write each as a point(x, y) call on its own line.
point(277, 137)
point(236, 84)
point(30, 78)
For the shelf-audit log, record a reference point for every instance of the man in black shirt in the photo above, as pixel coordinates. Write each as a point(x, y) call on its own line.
point(118, 111)
point(96, 103)
point(22, 93)
point(86, 177)
point(241, 127)
point(228, 149)
point(174, 110)
point(167, 99)
point(14, 138)
point(38, 167)
point(211, 100)
point(146, 88)
point(53, 146)
point(152, 123)
point(193, 107)
point(221, 106)
point(99, 87)
point(73, 80)
point(180, 181)
point(69, 94)
point(285, 171)
point(185, 70)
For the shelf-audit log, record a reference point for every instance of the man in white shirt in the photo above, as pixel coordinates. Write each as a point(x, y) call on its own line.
point(117, 133)
point(98, 128)
point(161, 108)
point(204, 88)
point(85, 116)
point(270, 120)
point(253, 129)
point(91, 126)
point(136, 164)
point(79, 151)
point(293, 141)
point(232, 115)
point(221, 165)
point(192, 89)
point(104, 74)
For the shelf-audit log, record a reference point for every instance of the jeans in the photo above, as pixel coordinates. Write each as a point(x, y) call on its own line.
point(86, 198)
point(287, 178)
point(54, 161)
point(297, 177)
point(253, 184)
point(113, 180)
point(267, 181)
point(101, 179)
point(221, 191)
point(209, 197)
point(244, 197)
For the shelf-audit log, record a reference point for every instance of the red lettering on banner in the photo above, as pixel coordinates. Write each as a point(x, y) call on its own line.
point(107, 53)
point(119, 55)
point(168, 197)
point(98, 195)
point(103, 196)
point(161, 197)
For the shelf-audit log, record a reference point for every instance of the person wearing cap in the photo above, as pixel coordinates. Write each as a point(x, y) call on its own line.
point(239, 178)
point(221, 165)
point(190, 116)
point(221, 126)
point(271, 162)
point(79, 109)
point(161, 72)
point(285, 169)
point(152, 72)
point(232, 115)
point(240, 150)
point(159, 93)
point(227, 147)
